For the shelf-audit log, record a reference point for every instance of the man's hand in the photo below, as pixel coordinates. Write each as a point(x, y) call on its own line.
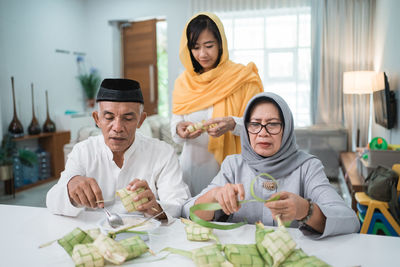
point(227, 197)
point(151, 207)
point(289, 206)
point(84, 191)
point(222, 126)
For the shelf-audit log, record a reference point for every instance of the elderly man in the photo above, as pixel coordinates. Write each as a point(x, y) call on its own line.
point(119, 158)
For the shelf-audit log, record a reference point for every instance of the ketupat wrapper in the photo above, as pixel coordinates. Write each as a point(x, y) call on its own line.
point(260, 234)
point(87, 255)
point(110, 249)
point(298, 258)
point(294, 257)
point(243, 255)
point(127, 198)
point(76, 236)
point(93, 233)
point(279, 244)
point(134, 246)
point(208, 256)
point(200, 125)
point(196, 232)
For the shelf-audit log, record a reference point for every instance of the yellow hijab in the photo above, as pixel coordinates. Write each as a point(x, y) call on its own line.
point(222, 87)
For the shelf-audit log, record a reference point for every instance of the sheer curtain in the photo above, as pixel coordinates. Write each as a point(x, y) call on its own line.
point(239, 5)
point(342, 41)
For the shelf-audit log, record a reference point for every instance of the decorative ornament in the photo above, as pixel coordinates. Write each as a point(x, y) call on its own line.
point(34, 127)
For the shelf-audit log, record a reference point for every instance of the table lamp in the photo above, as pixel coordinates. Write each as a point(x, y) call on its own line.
point(358, 82)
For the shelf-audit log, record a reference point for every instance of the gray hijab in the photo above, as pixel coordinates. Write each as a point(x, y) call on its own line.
point(288, 158)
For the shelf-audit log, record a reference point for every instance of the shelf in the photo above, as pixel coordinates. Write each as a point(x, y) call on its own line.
point(54, 144)
point(353, 180)
point(40, 182)
point(34, 136)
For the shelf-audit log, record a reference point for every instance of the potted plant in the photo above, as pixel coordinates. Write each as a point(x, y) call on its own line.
point(7, 152)
point(89, 81)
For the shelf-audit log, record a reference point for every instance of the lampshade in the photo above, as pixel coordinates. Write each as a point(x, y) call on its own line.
point(379, 82)
point(359, 82)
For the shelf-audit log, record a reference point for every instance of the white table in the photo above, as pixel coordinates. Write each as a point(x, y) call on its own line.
point(23, 229)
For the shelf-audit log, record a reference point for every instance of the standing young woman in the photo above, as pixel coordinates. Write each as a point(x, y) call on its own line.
point(212, 89)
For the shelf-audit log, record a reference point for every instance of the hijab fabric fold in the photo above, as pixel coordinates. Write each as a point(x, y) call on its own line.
point(222, 87)
point(288, 158)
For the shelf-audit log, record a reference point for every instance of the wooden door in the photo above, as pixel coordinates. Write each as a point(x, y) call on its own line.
point(140, 59)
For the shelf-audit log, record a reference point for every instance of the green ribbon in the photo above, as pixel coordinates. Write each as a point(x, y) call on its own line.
point(217, 206)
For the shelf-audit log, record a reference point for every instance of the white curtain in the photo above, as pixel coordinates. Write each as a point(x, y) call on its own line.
point(240, 5)
point(342, 41)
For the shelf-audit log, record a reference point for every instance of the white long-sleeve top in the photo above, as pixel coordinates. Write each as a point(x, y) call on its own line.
point(147, 158)
point(199, 166)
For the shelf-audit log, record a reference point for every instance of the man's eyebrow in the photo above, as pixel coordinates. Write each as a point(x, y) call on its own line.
point(105, 112)
point(129, 114)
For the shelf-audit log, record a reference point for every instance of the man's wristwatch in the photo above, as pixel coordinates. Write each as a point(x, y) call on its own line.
point(309, 213)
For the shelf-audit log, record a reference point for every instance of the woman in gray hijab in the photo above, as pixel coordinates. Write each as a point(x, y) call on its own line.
point(269, 146)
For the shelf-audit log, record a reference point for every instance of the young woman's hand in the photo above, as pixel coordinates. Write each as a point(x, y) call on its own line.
point(219, 126)
point(183, 132)
point(289, 206)
point(227, 197)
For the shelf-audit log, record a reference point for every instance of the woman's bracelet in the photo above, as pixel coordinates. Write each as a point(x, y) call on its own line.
point(309, 213)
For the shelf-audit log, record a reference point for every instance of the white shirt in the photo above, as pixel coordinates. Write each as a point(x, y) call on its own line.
point(147, 158)
point(199, 166)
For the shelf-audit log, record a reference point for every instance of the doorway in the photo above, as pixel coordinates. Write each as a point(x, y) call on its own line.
point(144, 57)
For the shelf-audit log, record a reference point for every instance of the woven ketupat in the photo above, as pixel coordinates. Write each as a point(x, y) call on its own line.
point(243, 255)
point(298, 258)
point(134, 246)
point(260, 234)
point(294, 257)
point(279, 245)
point(76, 236)
point(127, 198)
point(87, 255)
point(110, 249)
point(196, 232)
point(93, 233)
point(209, 256)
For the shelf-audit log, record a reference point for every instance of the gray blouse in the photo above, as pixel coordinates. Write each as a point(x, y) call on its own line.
point(308, 181)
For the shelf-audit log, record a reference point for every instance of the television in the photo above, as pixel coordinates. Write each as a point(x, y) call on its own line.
point(384, 102)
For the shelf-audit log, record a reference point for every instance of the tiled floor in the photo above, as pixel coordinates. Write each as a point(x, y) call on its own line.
point(35, 197)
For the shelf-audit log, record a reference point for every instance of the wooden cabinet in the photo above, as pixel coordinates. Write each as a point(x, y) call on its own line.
point(52, 143)
point(353, 179)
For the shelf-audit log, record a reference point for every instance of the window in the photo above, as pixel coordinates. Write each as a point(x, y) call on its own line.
point(279, 42)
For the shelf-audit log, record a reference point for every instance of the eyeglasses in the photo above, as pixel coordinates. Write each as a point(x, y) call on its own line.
point(272, 128)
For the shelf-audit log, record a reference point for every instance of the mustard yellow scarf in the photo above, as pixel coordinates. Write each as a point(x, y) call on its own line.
point(224, 88)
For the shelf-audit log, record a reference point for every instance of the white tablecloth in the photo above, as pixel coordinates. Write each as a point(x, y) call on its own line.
point(23, 229)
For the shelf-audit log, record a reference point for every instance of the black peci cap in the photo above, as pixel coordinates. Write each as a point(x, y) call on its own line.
point(120, 90)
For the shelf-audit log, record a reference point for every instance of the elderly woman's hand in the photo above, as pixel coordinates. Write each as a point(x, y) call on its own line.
point(227, 197)
point(222, 126)
point(290, 206)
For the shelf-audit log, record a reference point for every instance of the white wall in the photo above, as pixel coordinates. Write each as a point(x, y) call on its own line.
point(100, 33)
point(30, 31)
point(387, 58)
